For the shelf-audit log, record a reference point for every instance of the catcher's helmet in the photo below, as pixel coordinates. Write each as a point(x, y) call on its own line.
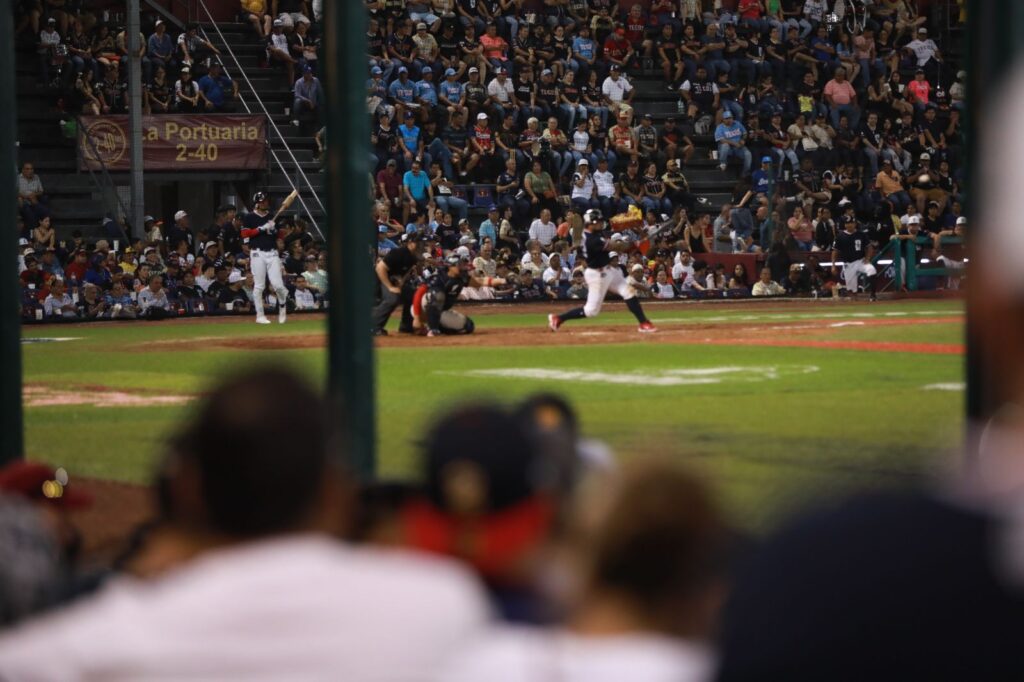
point(258, 197)
point(593, 215)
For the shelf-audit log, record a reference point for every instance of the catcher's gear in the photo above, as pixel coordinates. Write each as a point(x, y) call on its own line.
point(454, 322)
point(593, 215)
point(258, 197)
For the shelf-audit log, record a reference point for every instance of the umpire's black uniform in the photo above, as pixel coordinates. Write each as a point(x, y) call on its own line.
point(398, 263)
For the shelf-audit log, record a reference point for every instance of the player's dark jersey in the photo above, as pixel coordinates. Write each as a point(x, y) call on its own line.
point(451, 286)
point(851, 245)
point(593, 250)
point(260, 241)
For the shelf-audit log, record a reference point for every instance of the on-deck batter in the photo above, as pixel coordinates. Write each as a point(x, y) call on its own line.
point(265, 261)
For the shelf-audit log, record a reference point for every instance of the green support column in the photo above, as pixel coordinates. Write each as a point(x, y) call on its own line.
point(350, 366)
point(12, 442)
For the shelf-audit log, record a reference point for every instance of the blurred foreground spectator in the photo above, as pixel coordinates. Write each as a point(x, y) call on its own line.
point(649, 596)
point(243, 577)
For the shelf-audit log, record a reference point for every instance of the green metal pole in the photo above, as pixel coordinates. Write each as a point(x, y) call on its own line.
point(12, 442)
point(351, 362)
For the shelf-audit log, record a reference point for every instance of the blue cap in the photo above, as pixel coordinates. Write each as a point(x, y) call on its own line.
point(492, 207)
point(766, 159)
point(307, 69)
point(376, 71)
point(382, 228)
point(426, 69)
point(402, 69)
point(726, 114)
point(449, 72)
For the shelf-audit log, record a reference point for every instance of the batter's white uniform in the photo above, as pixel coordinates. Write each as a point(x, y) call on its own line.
point(601, 275)
point(265, 262)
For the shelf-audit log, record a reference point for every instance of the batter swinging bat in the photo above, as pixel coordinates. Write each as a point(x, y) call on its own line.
point(288, 201)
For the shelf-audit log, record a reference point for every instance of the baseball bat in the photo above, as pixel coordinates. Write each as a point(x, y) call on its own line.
point(288, 201)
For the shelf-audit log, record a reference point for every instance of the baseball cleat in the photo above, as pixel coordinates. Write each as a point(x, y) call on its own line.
point(647, 328)
point(262, 319)
point(554, 322)
point(282, 315)
point(433, 332)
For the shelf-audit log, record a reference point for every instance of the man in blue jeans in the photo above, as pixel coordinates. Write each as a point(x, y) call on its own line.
point(730, 137)
point(217, 88)
point(417, 189)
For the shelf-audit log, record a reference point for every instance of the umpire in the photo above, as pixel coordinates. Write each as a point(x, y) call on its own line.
point(394, 275)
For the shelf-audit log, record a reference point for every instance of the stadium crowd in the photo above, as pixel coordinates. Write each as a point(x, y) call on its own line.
point(833, 112)
point(535, 558)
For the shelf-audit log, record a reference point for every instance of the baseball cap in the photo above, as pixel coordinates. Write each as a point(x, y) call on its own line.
point(637, 267)
point(421, 26)
point(546, 72)
point(180, 214)
point(583, 162)
point(409, 114)
point(186, 69)
point(922, 30)
point(925, 156)
point(449, 72)
point(278, 23)
point(766, 159)
point(914, 220)
point(309, 69)
point(481, 116)
point(886, 162)
point(148, 250)
point(148, 219)
point(402, 69)
point(613, 254)
point(39, 482)
point(426, 69)
point(51, 20)
point(616, 67)
point(492, 207)
point(473, 69)
point(235, 277)
point(726, 114)
point(376, 71)
point(845, 201)
point(961, 220)
point(794, 267)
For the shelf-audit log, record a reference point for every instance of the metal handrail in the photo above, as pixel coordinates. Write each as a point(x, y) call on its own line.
point(273, 125)
point(106, 174)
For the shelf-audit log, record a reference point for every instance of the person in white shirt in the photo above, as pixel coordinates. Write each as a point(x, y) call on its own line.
point(543, 230)
point(630, 622)
point(606, 193)
point(304, 298)
point(617, 91)
point(557, 274)
point(583, 188)
point(683, 266)
point(923, 48)
point(766, 286)
point(245, 577)
point(662, 287)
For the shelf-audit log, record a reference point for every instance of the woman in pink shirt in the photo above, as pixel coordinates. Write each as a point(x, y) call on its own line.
point(800, 229)
point(842, 99)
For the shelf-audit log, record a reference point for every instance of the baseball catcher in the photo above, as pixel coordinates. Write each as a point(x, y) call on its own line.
point(433, 300)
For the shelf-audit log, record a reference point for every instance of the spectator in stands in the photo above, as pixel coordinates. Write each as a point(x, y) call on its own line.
point(193, 49)
point(32, 203)
point(49, 49)
point(153, 303)
point(187, 97)
point(766, 286)
point(842, 99)
point(417, 190)
point(290, 12)
point(277, 49)
point(59, 304)
point(730, 137)
point(219, 92)
point(160, 97)
point(160, 47)
point(255, 12)
point(309, 96)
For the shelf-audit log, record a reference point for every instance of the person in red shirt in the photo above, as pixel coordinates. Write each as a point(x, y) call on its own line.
point(752, 14)
point(921, 89)
point(635, 29)
point(78, 266)
point(617, 50)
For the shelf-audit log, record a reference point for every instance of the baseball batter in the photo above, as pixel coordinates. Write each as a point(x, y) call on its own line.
point(265, 261)
point(600, 276)
point(434, 298)
point(854, 250)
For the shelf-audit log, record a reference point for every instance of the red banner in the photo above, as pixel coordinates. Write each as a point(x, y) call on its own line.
point(175, 142)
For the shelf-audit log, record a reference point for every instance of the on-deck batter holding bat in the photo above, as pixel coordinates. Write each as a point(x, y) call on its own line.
point(261, 231)
point(601, 276)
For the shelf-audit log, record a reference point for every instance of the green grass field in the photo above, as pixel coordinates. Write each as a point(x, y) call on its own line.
point(771, 425)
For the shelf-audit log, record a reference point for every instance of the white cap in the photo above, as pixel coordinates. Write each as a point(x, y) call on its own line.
point(235, 276)
point(613, 254)
point(179, 215)
point(637, 267)
point(481, 116)
point(914, 220)
point(961, 220)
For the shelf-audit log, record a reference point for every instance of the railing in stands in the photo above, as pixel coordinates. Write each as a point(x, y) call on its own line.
point(107, 188)
point(273, 126)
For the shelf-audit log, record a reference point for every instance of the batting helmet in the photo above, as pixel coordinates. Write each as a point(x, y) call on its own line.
point(258, 197)
point(593, 215)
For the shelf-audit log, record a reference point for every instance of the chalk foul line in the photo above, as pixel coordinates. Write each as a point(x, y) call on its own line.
point(697, 376)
